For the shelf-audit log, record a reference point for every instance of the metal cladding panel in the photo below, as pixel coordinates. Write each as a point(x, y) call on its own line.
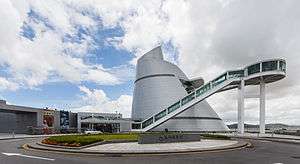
point(154, 94)
point(192, 125)
point(7, 122)
point(158, 86)
point(199, 117)
point(202, 109)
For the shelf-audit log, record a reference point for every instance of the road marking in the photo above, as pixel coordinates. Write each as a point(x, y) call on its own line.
point(27, 156)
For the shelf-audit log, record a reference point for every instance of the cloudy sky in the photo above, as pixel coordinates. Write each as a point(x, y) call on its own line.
point(81, 54)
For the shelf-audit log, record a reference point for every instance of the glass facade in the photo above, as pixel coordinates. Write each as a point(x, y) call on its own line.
point(254, 69)
point(269, 66)
point(160, 115)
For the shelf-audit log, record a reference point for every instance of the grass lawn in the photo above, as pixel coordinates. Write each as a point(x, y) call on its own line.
point(81, 140)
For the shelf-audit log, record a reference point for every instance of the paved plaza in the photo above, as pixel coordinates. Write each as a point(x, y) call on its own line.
point(134, 147)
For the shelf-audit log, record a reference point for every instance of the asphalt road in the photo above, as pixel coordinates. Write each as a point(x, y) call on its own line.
point(263, 152)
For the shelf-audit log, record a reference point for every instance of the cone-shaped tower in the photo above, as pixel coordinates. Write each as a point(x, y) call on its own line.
point(158, 85)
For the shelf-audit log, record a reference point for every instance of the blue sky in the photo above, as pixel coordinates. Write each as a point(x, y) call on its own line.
point(81, 54)
point(57, 92)
point(63, 94)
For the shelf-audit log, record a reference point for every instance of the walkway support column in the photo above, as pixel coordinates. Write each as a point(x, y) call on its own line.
point(262, 108)
point(241, 112)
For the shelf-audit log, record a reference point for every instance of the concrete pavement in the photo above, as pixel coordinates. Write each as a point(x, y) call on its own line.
point(262, 152)
point(134, 147)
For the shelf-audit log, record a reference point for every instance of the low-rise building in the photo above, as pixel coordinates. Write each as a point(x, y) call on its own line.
point(105, 122)
point(22, 119)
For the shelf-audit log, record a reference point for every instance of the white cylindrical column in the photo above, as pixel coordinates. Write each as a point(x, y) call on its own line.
point(241, 97)
point(78, 123)
point(262, 108)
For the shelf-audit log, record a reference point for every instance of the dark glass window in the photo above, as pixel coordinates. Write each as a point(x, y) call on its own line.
point(136, 125)
point(254, 69)
point(269, 66)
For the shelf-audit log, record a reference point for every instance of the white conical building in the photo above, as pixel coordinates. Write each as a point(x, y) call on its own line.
point(160, 84)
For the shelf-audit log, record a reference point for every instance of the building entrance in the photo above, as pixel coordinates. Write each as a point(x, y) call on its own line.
point(108, 127)
point(103, 127)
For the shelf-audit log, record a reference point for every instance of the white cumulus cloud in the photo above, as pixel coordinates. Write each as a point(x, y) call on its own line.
point(96, 100)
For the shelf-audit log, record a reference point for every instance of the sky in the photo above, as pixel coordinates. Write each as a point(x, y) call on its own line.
point(80, 55)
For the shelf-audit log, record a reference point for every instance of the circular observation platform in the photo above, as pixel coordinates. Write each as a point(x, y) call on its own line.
point(267, 71)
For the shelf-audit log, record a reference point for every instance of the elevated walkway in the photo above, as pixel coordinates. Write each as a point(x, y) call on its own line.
point(262, 72)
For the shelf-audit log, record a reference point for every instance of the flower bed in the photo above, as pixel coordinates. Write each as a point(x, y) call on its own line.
point(82, 140)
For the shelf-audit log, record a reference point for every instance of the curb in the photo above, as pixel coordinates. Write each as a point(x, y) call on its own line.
point(280, 140)
point(239, 145)
point(24, 137)
point(19, 138)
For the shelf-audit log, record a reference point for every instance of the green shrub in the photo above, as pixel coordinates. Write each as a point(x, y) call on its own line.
point(215, 136)
point(82, 140)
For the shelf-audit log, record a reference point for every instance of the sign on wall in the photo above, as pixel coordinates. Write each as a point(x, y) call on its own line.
point(48, 118)
point(64, 119)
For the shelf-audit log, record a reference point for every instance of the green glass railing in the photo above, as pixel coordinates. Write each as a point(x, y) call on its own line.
point(202, 89)
point(147, 122)
point(252, 69)
point(219, 80)
point(269, 66)
point(282, 66)
point(160, 115)
point(236, 74)
point(173, 107)
point(188, 98)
